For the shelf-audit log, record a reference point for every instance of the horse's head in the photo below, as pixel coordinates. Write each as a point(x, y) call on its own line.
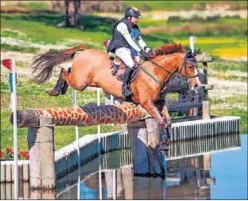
point(189, 69)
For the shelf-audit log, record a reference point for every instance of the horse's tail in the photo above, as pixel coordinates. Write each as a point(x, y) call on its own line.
point(44, 64)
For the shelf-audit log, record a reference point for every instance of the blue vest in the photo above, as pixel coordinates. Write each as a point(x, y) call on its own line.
point(135, 33)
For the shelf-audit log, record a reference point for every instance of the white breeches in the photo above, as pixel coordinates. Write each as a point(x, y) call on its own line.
point(125, 55)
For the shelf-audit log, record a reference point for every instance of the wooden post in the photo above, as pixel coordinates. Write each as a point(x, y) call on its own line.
point(207, 161)
point(2, 170)
point(127, 176)
point(8, 171)
point(3, 192)
point(138, 134)
point(155, 158)
point(147, 159)
point(41, 153)
point(205, 110)
point(26, 171)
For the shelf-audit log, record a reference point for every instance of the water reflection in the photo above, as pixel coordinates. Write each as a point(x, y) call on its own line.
point(188, 173)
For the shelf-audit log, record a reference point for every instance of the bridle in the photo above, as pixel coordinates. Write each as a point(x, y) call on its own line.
point(187, 59)
point(191, 60)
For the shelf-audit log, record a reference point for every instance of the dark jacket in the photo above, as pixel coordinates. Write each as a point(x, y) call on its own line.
point(118, 41)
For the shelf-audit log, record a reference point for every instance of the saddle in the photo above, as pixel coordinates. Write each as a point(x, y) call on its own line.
point(119, 67)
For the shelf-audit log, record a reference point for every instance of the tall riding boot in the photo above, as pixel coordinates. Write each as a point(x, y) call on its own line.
point(125, 87)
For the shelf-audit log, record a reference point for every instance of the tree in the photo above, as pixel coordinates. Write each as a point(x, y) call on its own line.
point(72, 15)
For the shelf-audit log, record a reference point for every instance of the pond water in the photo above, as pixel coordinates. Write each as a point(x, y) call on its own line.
point(219, 171)
point(210, 168)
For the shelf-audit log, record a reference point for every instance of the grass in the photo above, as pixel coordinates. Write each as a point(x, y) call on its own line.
point(155, 5)
point(219, 45)
point(31, 95)
point(231, 109)
point(182, 5)
point(6, 47)
point(228, 66)
point(40, 27)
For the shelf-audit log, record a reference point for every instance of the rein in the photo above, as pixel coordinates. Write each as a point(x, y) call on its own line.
point(162, 85)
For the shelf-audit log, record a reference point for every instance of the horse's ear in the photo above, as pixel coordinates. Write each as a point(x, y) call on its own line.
point(189, 53)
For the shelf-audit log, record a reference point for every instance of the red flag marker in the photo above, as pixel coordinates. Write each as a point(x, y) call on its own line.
point(7, 63)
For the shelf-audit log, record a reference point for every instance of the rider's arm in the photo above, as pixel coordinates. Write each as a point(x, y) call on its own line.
point(122, 28)
point(143, 45)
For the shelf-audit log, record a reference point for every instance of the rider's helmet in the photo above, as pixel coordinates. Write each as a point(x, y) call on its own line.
point(132, 12)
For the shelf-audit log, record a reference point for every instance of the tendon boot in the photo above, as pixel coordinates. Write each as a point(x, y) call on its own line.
point(57, 88)
point(125, 87)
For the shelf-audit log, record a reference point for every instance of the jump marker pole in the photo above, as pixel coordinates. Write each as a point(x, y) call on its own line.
point(74, 102)
point(99, 147)
point(192, 40)
point(10, 64)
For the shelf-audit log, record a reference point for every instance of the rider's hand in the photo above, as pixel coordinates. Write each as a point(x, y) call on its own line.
point(144, 54)
point(147, 49)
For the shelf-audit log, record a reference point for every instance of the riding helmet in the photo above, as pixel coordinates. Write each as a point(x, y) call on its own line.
point(132, 12)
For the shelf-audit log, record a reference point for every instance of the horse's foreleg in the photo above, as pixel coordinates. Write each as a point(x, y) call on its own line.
point(72, 81)
point(61, 86)
point(166, 115)
point(154, 112)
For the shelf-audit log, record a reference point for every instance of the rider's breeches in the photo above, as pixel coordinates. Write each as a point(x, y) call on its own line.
point(125, 55)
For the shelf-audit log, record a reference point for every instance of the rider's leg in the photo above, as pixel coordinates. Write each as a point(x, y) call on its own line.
point(125, 55)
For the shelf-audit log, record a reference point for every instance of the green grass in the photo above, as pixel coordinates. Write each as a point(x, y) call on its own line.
point(6, 47)
point(63, 135)
point(228, 66)
point(181, 5)
point(41, 28)
point(156, 5)
point(31, 95)
point(232, 110)
point(36, 6)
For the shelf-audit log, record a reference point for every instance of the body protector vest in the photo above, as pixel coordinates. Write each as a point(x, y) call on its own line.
point(118, 41)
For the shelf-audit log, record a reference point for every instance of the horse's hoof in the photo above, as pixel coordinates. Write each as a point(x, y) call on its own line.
point(52, 92)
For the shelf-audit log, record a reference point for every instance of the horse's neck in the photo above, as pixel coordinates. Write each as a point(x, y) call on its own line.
point(170, 64)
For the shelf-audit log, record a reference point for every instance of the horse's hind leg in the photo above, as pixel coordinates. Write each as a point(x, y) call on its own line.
point(65, 86)
point(61, 86)
point(77, 83)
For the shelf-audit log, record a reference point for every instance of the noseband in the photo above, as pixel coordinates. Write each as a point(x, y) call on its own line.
point(189, 58)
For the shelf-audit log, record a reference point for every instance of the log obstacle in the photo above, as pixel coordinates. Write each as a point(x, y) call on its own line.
point(41, 124)
point(81, 116)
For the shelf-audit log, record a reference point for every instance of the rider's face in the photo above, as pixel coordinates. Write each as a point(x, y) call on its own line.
point(134, 20)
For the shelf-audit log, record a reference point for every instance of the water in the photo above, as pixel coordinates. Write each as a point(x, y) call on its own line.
point(230, 171)
point(214, 168)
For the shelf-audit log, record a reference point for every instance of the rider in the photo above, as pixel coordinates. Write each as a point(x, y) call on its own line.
point(123, 45)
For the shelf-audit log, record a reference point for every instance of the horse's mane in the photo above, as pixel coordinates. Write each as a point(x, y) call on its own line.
point(169, 49)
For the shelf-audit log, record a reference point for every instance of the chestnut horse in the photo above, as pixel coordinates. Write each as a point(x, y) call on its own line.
point(92, 67)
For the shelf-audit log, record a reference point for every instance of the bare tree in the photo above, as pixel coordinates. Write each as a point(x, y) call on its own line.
point(72, 15)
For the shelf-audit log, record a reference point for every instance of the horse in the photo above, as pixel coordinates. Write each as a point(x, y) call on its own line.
point(92, 67)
